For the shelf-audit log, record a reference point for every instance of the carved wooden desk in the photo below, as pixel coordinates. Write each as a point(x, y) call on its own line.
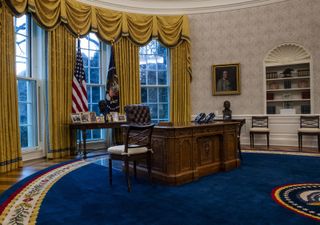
point(83, 127)
point(183, 153)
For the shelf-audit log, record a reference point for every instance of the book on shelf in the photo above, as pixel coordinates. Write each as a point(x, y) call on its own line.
point(270, 96)
point(271, 109)
point(303, 73)
point(287, 84)
point(305, 109)
point(305, 95)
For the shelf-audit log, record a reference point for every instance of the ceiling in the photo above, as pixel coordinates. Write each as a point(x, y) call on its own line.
point(167, 7)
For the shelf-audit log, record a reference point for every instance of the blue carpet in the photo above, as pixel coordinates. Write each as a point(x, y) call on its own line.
point(241, 196)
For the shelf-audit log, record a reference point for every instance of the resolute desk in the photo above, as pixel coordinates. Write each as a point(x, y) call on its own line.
point(185, 152)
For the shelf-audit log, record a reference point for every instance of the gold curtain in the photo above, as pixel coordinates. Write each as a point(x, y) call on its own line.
point(180, 83)
point(62, 53)
point(10, 149)
point(127, 64)
point(110, 25)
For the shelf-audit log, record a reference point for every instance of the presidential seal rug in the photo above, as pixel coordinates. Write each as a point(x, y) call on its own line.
point(78, 193)
point(303, 199)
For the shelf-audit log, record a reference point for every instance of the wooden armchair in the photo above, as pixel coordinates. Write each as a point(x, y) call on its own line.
point(137, 143)
point(260, 125)
point(309, 125)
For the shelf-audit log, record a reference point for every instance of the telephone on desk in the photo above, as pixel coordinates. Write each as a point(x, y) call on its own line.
point(203, 118)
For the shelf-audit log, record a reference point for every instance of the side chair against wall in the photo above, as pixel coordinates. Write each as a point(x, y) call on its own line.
point(309, 125)
point(137, 141)
point(260, 125)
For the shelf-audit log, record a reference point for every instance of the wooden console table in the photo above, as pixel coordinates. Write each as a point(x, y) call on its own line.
point(83, 127)
point(183, 153)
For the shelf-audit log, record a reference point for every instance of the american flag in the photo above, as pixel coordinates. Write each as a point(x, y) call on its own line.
point(79, 88)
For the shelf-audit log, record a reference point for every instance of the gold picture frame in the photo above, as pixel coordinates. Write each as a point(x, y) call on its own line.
point(226, 79)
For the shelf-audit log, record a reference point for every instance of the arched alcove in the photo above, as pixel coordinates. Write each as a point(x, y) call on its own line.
point(288, 79)
point(287, 53)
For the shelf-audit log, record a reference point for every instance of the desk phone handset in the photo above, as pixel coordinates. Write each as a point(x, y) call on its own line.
point(203, 118)
point(209, 118)
point(199, 117)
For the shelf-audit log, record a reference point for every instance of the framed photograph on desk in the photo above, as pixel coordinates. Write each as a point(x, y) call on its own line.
point(85, 117)
point(75, 118)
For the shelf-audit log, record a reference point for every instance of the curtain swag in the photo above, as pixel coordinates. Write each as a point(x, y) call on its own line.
point(109, 25)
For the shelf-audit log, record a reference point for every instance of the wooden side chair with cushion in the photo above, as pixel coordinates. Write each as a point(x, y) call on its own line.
point(137, 141)
point(260, 125)
point(309, 125)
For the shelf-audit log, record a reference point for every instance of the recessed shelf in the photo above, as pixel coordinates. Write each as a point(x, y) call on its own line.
point(289, 100)
point(288, 78)
point(288, 89)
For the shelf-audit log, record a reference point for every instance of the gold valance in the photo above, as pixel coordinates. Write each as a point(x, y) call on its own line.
point(110, 25)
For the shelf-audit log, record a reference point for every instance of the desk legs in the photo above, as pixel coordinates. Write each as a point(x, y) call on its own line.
point(84, 139)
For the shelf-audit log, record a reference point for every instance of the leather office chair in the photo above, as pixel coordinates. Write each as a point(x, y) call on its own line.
point(259, 126)
point(309, 125)
point(137, 141)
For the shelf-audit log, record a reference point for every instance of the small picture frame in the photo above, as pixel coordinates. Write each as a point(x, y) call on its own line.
point(85, 117)
point(100, 119)
point(122, 117)
point(115, 116)
point(76, 118)
point(226, 79)
point(93, 117)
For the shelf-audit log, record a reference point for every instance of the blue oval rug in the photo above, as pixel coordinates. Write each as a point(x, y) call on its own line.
point(78, 193)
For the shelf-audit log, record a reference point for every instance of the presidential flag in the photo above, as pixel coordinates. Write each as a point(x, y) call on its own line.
point(112, 93)
point(79, 88)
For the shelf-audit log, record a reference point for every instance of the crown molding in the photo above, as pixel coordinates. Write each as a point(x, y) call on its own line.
point(177, 7)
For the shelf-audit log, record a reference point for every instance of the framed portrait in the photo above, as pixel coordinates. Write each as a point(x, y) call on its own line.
point(226, 79)
point(75, 118)
point(85, 117)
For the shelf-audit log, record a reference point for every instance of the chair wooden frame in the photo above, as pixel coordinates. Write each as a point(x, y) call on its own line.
point(301, 133)
point(136, 136)
point(252, 133)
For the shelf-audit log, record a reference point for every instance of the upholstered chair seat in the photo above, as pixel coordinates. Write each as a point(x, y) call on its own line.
point(309, 130)
point(259, 129)
point(132, 150)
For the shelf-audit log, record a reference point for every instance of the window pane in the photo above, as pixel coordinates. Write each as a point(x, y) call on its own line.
point(152, 77)
point(96, 94)
point(154, 111)
point(94, 58)
point(21, 66)
point(144, 95)
point(23, 113)
point(95, 108)
point(94, 76)
point(153, 95)
point(94, 43)
point(21, 45)
point(163, 111)
point(163, 94)
point(21, 26)
point(143, 77)
point(85, 54)
point(24, 136)
point(162, 77)
point(22, 90)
